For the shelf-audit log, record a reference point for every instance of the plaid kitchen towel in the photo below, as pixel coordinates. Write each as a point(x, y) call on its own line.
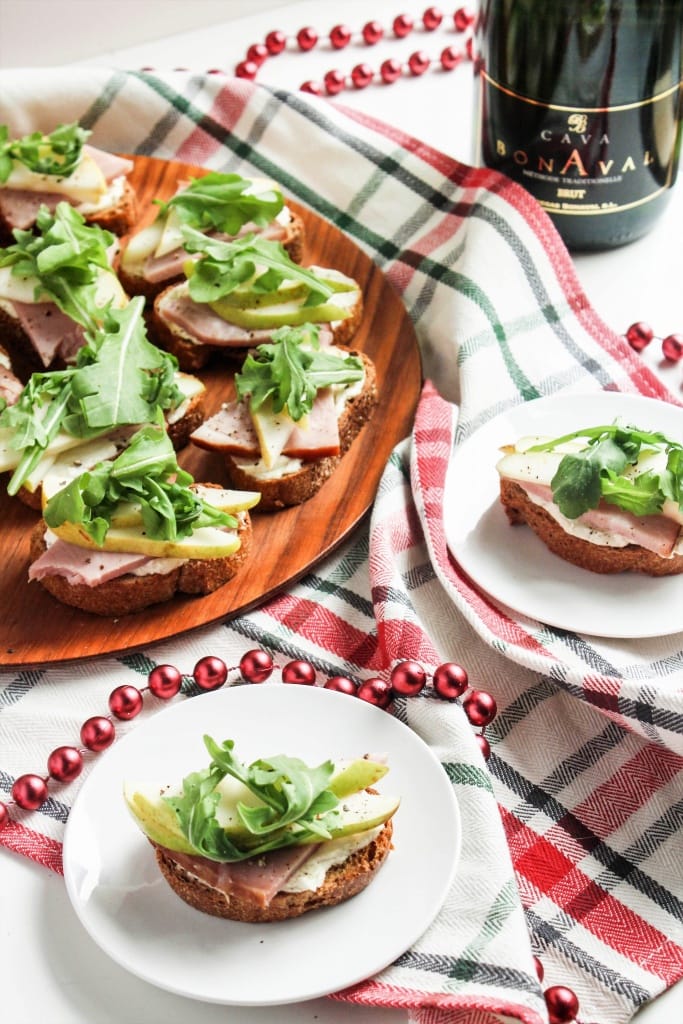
point(570, 848)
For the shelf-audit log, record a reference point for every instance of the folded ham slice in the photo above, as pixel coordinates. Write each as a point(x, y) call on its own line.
point(257, 879)
point(53, 334)
point(655, 533)
point(83, 565)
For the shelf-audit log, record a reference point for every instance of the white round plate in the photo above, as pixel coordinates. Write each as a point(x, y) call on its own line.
point(132, 914)
point(514, 567)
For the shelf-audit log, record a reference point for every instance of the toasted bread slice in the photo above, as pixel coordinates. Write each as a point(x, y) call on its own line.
point(299, 486)
point(119, 218)
point(130, 593)
point(586, 555)
point(135, 283)
point(341, 882)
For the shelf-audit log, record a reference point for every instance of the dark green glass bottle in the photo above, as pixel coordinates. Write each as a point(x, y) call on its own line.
point(581, 102)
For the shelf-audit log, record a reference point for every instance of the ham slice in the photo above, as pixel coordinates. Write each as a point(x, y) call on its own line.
point(232, 431)
point(10, 386)
point(655, 533)
point(203, 325)
point(19, 207)
point(257, 879)
point(170, 265)
point(82, 565)
point(53, 334)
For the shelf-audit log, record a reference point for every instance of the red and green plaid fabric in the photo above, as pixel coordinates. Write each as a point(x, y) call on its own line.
point(571, 847)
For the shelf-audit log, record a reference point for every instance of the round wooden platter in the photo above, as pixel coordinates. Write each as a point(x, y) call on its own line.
point(36, 629)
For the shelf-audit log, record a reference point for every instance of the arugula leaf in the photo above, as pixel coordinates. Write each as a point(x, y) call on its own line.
point(596, 473)
point(147, 473)
point(291, 369)
point(66, 257)
point(225, 266)
point(56, 154)
point(219, 202)
point(120, 379)
point(295, 804)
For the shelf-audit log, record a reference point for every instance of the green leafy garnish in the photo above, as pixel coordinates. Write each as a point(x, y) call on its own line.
point(296, 805)
point(263, 264)
point(120, 378)
point(57, 153)
point(220, 202)
point(147, 474)
point(291, 369)
point(597, 472)
point(66, 257)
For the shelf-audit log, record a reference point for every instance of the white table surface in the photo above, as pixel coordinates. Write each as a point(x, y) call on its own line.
point(50, 970)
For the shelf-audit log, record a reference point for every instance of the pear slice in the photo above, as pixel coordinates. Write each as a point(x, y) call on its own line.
point(156, 819)
point(245, 297)
point(287, 314)
point(128, 512)
point(206, 542)
point(356, 776)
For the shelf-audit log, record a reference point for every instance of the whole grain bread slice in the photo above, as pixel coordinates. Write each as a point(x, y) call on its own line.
point(129, 593)
point(582, 553)
point(342, 881)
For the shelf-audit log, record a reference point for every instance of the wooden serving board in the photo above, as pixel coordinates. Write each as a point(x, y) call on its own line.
point(36, 629)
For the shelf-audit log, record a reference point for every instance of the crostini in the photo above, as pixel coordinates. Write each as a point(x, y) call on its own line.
point(267, 841)
point(66, 420)
point(239, 292)
point(136, 530)
point(45, 169)
point(223, 206)
point(301, 402)
point(605, 498)
point(54, 287)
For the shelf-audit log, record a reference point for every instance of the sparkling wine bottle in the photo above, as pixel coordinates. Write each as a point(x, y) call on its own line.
point(581, 102)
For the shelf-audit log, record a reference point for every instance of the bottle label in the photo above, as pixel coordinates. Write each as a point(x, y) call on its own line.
point(581, 161)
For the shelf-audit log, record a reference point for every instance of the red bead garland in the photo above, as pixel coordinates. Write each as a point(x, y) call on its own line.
point(639, 335)
point(362, 75)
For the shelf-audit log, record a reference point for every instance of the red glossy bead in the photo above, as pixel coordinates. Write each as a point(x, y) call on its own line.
point(408, 678)
point(562, 1004)
point(402, 26)
point(672, 347)
point(314, 88)
point(306, 38)
point(275, 43)
point(432, 18)
point(299, 672)
point(334, 82)
point(362, 75)
point(372, 32)
point(164, 681)
point(340, 36)
point(4, 815)
point(210, 673)
point(125, 702)
point(97, 733)
point(450, 58)
point(342, 684)
point(65, 764)
point(418, 62)
point(246, 69)
point(462, 19)
point(538, 966)
point(480, 707)
point(390, 71)
point(256, 666)
point(450, 680)
point(484, 745)
point(376, 691)
point(257, 54)
point(29, 792)
point(639, 335)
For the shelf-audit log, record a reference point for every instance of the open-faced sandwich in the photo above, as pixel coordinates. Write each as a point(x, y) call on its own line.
point(43, 170)
point(239, 292)
point(55, 284)
point(64, 421)
point(223, 206)
point(606, 498)
point(135, 530)
point(268, 841)
point(301, 402)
